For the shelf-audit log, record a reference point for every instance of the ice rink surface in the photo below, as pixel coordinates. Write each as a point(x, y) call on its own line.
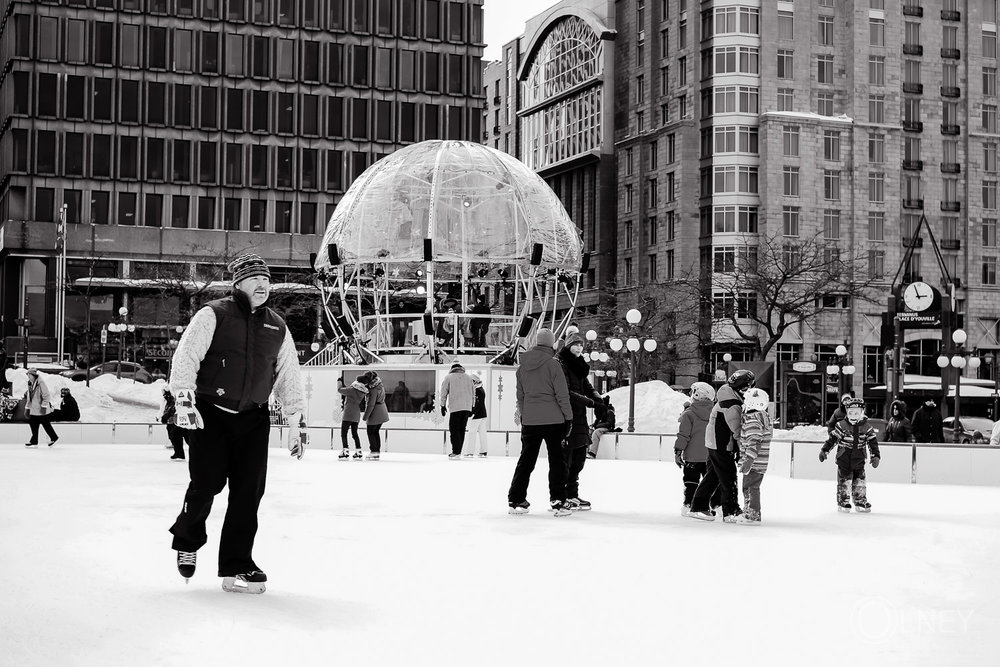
point(413, 560)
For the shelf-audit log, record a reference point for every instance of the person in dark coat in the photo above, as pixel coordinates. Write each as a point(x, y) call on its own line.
point(354, 402)
point(840, 413)
point(176, 435)
point(375, 415)
point(927, 423)
point(480, 324)
point(581, 396)
point(68, 411)
point(898, 429)
point(690, 453)
point(544, 413)
point(853, 437)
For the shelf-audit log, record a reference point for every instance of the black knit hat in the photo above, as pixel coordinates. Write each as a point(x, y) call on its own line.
point(574, 339)
point(247, 266)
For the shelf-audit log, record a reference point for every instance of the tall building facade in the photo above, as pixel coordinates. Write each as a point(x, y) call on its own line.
point(175, 134)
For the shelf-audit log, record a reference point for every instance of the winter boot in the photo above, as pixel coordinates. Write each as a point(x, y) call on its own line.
point(560, 508)
point(519, 508)
point(249, 582)
point(186, 562)
point(344, 455)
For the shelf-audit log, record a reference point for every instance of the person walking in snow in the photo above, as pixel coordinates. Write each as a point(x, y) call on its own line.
point(690, 453)
point(722, 441)
point(755, 446)
point(477, 422)
point(458, 396)
point(544, 413)
point(376, 414)
point(232, 355)
point(853, 436)
point(168, 417)
point(581, 396)
point(38, 408)
point(354, 402)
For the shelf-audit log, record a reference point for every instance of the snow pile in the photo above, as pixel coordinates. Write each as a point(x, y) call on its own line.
point(657, 407)
point(107, 399)
point(806, 433)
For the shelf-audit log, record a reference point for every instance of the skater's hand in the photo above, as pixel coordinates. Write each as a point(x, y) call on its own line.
point(187, 416)
point(679, 458)
point(569, 427)
point(297, 439)
point(822, 455)
point(875, 461)
point(746, 465)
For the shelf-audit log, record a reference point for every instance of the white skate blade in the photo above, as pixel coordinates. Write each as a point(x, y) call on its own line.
point(863, 510)
point(845, 510)
point(517, 510)
point(234, 585)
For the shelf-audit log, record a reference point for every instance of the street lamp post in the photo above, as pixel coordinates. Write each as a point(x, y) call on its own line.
point(956, 358)
point(843, 369)
point(633, 345)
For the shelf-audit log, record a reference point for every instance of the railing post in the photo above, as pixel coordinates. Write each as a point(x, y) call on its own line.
point(913, 463)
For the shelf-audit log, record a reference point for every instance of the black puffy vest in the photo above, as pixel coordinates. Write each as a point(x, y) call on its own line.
point(239, 368)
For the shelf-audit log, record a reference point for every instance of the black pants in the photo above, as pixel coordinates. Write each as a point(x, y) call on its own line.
point(231, 448)
point(178, 436)
point(694, 472)
point(574, 459)
point(457, 423)
point(353, 428)
point(531, 443)
point(721, 477)
point(46, 422)
point(374, 438)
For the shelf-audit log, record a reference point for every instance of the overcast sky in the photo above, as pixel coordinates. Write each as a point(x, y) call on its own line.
point(503, 20)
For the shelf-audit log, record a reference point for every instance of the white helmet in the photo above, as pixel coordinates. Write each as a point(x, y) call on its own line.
point(755, 399)
point(702, 391)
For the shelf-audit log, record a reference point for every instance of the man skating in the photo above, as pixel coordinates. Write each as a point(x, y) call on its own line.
point(232, 355)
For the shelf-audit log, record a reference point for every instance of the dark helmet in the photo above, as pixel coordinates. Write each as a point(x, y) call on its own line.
point(742, 380)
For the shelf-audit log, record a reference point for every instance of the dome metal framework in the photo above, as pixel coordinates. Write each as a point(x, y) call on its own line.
point(428, 232)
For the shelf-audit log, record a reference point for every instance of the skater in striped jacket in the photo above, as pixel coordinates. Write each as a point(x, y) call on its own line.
point(755, 447)
point(852, 436)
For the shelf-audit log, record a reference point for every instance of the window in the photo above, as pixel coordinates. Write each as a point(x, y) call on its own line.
point(181, 163)
point(825, 31)
point(876, 108)
point(990, 195)
point(911, 71)
point(182, 105)
point(209, 116)
point(990, 156)
point(101, 158)
point(126, 208)
point(104, 40)
point(209, 53)
point(724, 259)
point(831, 185)
point(876, 225)
point(153, 211)
point(876, 32)
point(989, 270)
point(785, 64)
point(876, 70)
point(128, 157)
point(790, 220)
point(989, 116)
point(824, 69)
point(786, 25)
point(831, 224)
point(652, 268)
point(651, 226)
point(259, 165)
point(629, 198)
point(989, 235)
point(790, 181)
point(668, 265)
point(876, 187)
point(989, 81)
point(207, 174)
point(876, 264)
point(233, 174)
point(785, 99)
point(831, 145)
point(876, 148)
point(824, 104)
point(206, 213)
point(628, 271)
point(628, 234)
point(989, 44)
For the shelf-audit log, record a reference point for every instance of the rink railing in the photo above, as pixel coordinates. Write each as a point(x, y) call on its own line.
point(799, 459)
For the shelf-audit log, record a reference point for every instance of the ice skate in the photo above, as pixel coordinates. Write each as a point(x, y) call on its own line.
point(578, 504)
point(560, 508)
point(358, 455)
point(685, 509)
point(251, 582)
point(704, 515)
point(519, 508)
point(372, 456)
point(731, 518)
point(345, 454)
point(186, 562)
point(482, 455)
point(844, 507)
point(454, 457)
point(176, 458)
point(748, 518)
point(31, 444)
point(53, 441)
point(862, 506)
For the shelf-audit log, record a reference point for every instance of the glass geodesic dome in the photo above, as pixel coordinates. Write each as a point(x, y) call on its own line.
point(475, 204)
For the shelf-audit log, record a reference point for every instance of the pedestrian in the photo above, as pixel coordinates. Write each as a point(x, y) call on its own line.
point(852, 436)
point(234, 353)
point(898, 429)
point(481, 321)
point(608, 424)
point(375, 414)
point(477, 422)
point(38, 407)
point(458, 396)
point(690, 453)
point(354, 403)
point(722, 442)
point(69, 409)
point(543, 411)
point(755, 447)
point(177, 436)
point(927, 423)
point(581, 396)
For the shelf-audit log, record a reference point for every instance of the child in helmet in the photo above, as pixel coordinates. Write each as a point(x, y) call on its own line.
point(755, 445)
point(852, 435)
point(690, 454)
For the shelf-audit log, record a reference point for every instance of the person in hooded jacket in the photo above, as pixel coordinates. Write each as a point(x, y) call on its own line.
point(354, 402)
point(898, 428)
point(459, 396)
point(543, 410)
point(38, 407)
point(721, 440)
point(477, 423)
point(581, 396)
point(927, 423)
point(690, 454)
point(853, 437)
point(375, 415)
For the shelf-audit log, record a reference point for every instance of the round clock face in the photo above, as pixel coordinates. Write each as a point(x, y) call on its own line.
point(918, 296)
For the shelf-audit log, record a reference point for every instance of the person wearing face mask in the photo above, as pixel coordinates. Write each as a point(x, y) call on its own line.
point(233, 354)
point(581, 396)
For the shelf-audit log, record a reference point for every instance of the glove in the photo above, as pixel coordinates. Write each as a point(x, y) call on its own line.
point(589, 402)
point(745, 465)
point(822, 455)
point(187, 415)
point(298, 438)
point(679, 458)
point(875, 461)
point(444, 411)
point(569, 427)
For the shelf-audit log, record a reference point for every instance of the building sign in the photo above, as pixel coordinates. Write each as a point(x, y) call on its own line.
point(803, 367)
point(924, 320)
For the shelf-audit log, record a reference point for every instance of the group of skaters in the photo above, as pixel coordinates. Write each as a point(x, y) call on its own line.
point(42, 408)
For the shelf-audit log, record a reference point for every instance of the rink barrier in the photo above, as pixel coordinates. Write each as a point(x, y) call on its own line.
point(909, 463)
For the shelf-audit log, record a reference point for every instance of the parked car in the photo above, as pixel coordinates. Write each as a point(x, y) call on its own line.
point(975, 430)
point(129, 371)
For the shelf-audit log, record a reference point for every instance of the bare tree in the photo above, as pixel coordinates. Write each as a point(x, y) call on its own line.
point(768, 284)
